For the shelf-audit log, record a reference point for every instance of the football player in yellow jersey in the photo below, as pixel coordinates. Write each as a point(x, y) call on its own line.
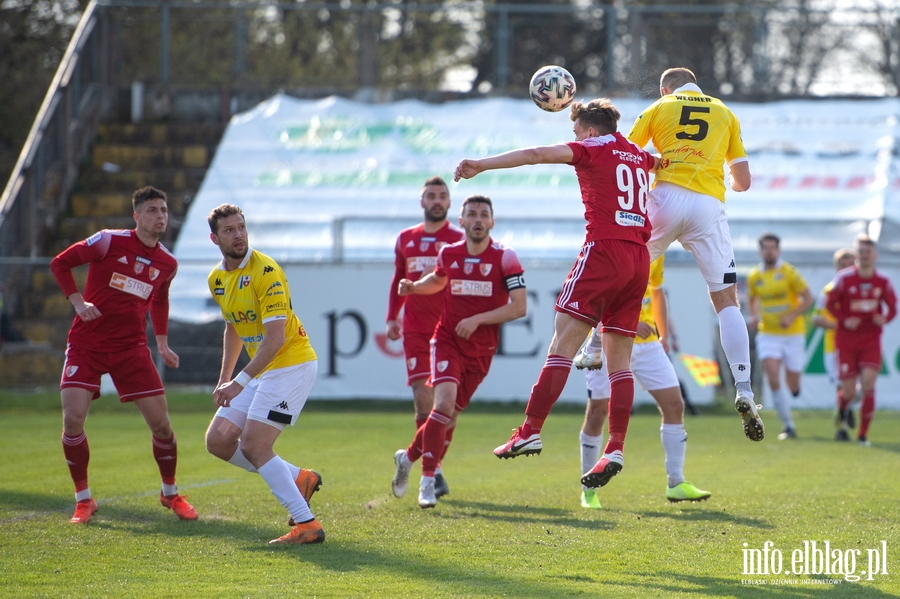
point(655, 373)
point(779, 297)
point(843, 258)
point(268, 394)
point(696, 136)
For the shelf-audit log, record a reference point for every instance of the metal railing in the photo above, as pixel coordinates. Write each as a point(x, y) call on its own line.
point(47, 167)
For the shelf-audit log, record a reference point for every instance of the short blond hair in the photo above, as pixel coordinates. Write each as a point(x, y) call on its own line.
point(841, 254)
point(676, 77)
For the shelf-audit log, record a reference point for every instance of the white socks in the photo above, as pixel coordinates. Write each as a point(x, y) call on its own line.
point(82, 495)
point(277, 475)
point(590, 451)
point(783, 406)
point(593, 344)
point(169, 490)
point(736, 342)
point(241, 461)
point(674, 442)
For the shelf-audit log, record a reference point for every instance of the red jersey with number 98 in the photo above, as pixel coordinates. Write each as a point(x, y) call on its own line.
point(614, 177)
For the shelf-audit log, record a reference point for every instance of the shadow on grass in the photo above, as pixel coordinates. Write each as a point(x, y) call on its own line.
point(444, 577)
point(27, 506)
point(712, 586)
point(519, 514)
point(701, 515)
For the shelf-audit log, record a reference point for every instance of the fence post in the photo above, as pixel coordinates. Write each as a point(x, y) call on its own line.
point(611, 18)
point(164, 45)
point(503, 36)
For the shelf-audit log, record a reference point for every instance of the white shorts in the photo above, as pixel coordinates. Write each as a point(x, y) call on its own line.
point(831, 369)
point(649, 363)
point(276, 397)
point(700, 224)
point(790, 349)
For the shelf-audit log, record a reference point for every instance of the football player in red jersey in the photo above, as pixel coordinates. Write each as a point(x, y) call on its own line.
point(129, 274)
point(862, 301)
point(416, 252)
point(609, 278)
point(483, 287)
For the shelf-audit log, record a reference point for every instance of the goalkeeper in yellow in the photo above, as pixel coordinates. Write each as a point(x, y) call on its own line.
point(779, 297)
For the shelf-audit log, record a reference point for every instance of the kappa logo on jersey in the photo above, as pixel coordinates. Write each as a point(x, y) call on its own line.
point(123, 260)
point(476, 288)
point(93, 239)
point(130, 286)
point(411, 363)
point(283, 405)
point(154, 272)
point(244, 281)
point(442, 365)
point(268, 269)
point(485, 269)
point(218, 282)
point(71, 370)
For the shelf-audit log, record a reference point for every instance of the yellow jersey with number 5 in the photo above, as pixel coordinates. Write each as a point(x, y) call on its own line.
point(696, 135)
point(256, 293)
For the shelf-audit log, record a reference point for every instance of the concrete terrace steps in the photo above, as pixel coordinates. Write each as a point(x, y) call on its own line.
point(170, 179)
point(160, 134)
point(125, 157)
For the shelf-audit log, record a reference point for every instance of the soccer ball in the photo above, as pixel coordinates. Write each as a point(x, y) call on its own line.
point(552, 88)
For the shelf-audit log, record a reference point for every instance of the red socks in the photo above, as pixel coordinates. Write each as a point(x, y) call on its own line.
point(77, 457)
point(866, 412)
point(547, 390)
point(435, 433)
point(165, 451)
point(621, 399)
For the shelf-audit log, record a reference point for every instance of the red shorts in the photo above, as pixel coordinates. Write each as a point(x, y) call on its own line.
point(606, 285)
point(132, 370)
point(852, 360)
point(449, 365)
point(417, 348)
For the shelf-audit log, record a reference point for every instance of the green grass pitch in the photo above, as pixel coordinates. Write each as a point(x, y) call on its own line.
point(509, 528)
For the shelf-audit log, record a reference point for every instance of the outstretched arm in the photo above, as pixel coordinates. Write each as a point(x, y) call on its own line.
point(558, 154)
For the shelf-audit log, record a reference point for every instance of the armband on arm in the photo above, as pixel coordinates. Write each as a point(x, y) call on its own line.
point(515, 282)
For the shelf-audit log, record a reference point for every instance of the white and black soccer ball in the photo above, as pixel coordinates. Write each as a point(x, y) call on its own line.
point(552, 88)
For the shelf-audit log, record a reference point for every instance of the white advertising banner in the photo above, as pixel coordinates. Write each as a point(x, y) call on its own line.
point(327, 184)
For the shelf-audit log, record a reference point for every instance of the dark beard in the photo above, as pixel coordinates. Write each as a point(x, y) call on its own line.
point(435, 219)
point(234, 255)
